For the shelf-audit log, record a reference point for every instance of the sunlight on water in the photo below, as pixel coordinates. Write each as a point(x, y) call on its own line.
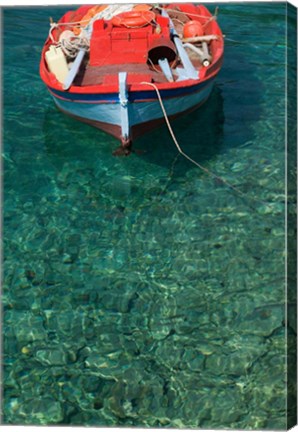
point(139, 291)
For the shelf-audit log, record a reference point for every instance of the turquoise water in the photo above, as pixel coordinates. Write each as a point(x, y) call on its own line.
point(139, 291)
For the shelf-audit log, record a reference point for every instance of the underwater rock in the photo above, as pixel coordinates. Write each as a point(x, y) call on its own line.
point(226, 417)
point(52, 357)
point(235, 364)
point(30, 274)
point(224, 405)
point(9, 407)
point(103, 366)
point(262, 321)
point(68, 259)
point(238, 167)
point(160, 332)
point(115, 302)
point(115, 405)
point(51, 277)
point(27, 327)
point(274, 208)
point(194, 360)
point(70, 322)
point(41, 411)
point(169, 353)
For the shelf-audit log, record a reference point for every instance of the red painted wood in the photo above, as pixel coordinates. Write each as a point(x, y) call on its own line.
point(116, 49)
point(127, 50)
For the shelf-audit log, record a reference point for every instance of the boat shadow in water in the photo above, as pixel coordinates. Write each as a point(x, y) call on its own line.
point(199, 135)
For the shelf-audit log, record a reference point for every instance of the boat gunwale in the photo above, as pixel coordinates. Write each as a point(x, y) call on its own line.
point(135, 95)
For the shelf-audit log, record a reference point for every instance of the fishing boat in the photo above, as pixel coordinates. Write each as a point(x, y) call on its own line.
point(124, 68)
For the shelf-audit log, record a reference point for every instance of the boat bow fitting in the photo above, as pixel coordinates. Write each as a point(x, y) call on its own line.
point(124, 117)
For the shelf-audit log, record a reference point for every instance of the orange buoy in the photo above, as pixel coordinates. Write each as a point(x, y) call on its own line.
point(142, 7)
point(133, 19)
point(193, 29)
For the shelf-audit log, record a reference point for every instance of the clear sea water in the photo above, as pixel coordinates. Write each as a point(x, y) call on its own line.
point(139, 291)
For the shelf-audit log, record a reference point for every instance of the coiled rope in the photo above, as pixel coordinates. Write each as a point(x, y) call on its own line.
point(72, 43)
point(68, 41)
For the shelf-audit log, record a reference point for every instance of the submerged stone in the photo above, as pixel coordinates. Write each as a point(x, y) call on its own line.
point(27, 327)
point(40, 411)
point(262, 321)
point(52, 357)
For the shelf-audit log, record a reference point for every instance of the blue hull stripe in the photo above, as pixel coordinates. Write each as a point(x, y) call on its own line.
point(137, 113)
point(132, 96)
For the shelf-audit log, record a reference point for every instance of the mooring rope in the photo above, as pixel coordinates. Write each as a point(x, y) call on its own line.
point(220, 179)
point(210, 173)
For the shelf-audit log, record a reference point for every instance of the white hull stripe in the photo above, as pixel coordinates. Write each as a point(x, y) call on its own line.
point(138, 112)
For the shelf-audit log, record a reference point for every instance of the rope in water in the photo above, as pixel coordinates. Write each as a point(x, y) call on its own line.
point(220, 179)
point(210, 173)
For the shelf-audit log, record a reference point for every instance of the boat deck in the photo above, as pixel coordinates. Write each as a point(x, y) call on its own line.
point(95, 75)
point(107, 74)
